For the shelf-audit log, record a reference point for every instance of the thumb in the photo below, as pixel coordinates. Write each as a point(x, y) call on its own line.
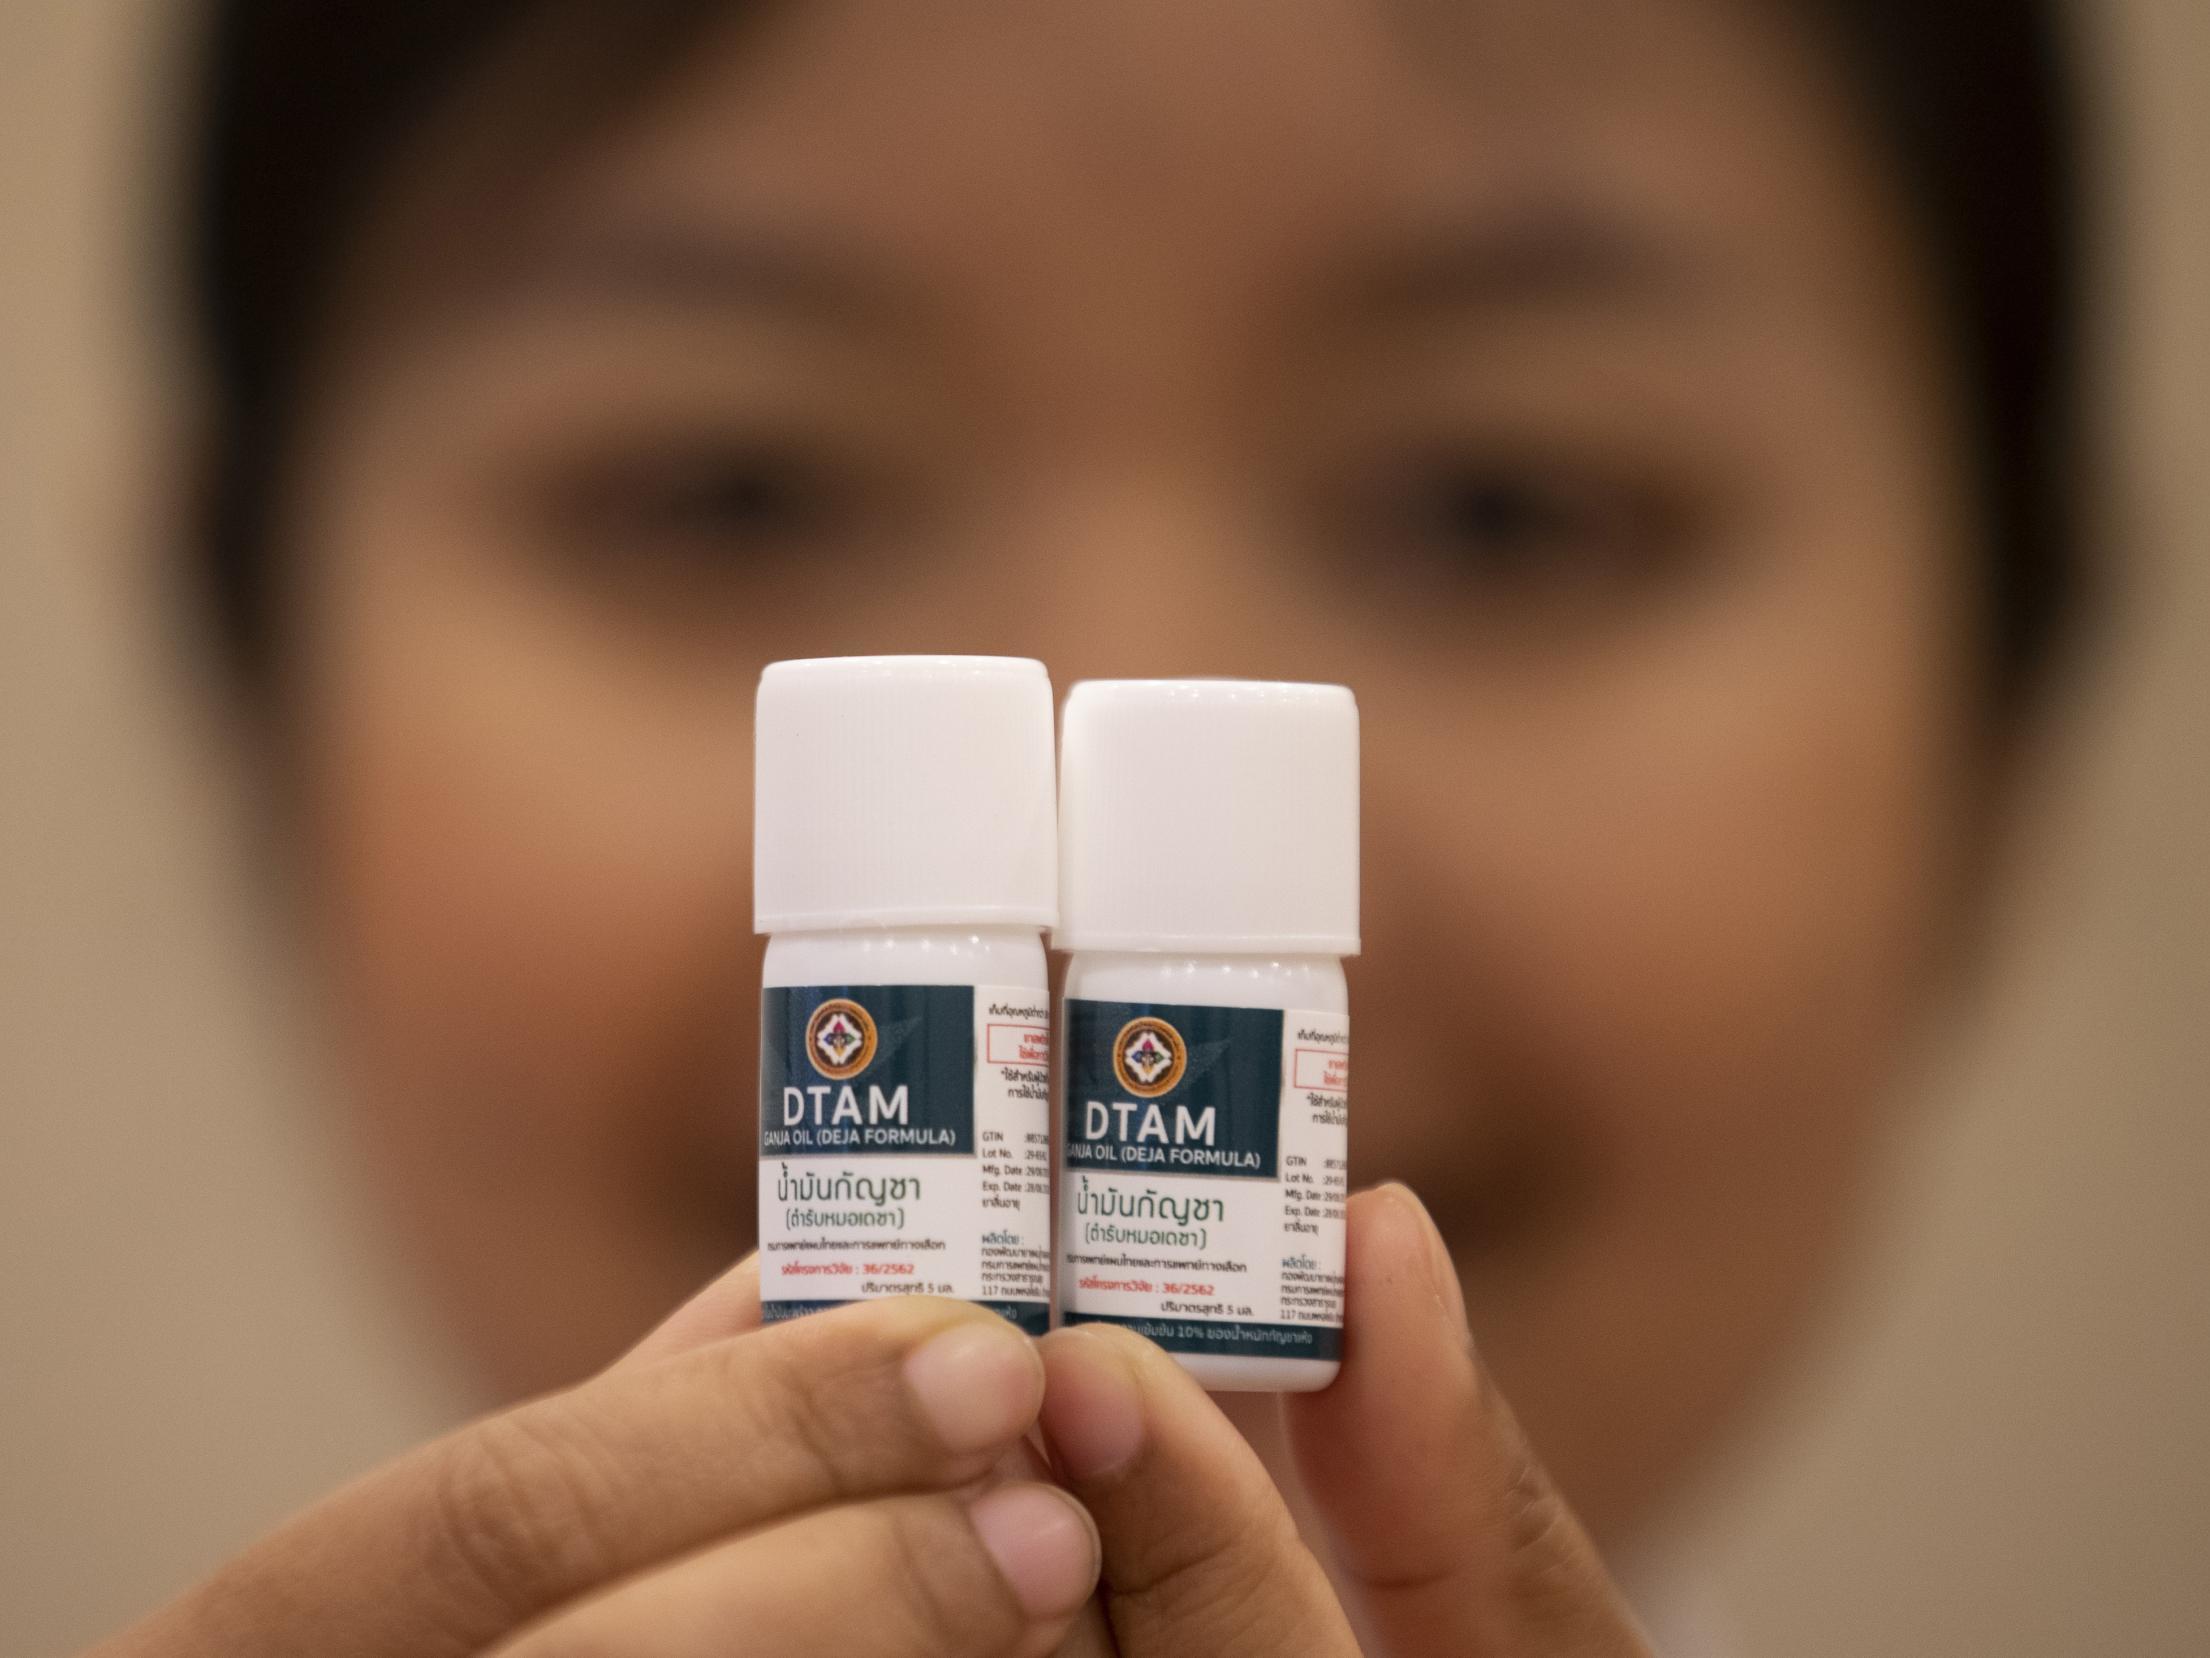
point(1450, 1535)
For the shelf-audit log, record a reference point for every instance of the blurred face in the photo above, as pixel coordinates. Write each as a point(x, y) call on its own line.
point(1557, 376)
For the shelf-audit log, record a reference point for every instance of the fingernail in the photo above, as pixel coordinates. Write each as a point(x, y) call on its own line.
point(978, 1384)
point(1440, 1266)
point(1044, 1543)
point(1093, 1406)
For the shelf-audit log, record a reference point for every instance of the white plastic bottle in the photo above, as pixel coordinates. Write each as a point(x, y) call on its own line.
point(1209, 891)
point(904, 847)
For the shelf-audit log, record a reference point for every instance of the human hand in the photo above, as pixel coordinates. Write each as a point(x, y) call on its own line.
point(1447, 1537)
point(823, 1486)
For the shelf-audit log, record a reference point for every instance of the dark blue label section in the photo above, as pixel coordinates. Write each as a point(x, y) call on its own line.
point(1154, 1088)
point(1032, 1316)
point(1229, 1340)
point(854, 1069)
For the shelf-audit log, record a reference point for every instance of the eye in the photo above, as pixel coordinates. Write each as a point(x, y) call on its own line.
point(707, 504)
point(1520, 527)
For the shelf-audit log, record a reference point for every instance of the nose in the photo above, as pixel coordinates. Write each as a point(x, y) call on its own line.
point(1160, 577)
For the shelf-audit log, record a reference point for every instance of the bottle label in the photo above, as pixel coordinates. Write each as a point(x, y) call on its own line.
point(905, 1147)
point(1205, 1173)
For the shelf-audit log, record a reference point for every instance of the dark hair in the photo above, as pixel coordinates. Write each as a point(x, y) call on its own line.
point(305, 107)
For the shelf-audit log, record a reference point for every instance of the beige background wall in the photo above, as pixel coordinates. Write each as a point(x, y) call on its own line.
point(2004, 1447)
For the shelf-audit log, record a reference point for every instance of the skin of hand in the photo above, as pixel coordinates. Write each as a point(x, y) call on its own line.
point(865, 1481)
point(1445, 1535)
point(820, 1486)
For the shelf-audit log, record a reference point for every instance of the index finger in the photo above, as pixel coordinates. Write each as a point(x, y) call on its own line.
point(472, 1536)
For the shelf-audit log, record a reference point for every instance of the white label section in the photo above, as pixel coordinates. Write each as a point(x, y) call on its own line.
point(975, 1227)
point(1167, 1247)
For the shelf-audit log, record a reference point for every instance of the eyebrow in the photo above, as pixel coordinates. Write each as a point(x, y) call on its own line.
point(1554, 258)
point(658, 264)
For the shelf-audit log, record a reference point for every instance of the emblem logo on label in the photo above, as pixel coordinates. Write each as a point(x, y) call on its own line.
point(1149, 1057)
point(840, 1039)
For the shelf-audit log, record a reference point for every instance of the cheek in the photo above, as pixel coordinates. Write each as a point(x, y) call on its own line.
point(1644, 943)
point(530, 850)
point(1685, 906)
point(522, 893)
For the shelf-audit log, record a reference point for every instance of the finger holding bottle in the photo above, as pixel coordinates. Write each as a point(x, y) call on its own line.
point(1202, 1558)
point(475, 1536)
point(1000, 1574)
point(1444, 1529)
point(1445, 1536)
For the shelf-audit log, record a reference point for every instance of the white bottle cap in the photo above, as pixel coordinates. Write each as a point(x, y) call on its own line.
point(1209, 816)
point(903, 791)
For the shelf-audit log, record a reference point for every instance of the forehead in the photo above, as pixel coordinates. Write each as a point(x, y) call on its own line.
point(1238, 143)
